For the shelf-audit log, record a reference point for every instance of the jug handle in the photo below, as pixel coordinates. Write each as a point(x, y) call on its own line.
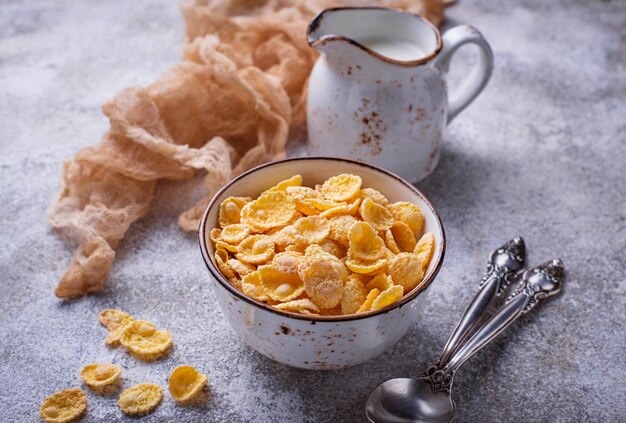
point(479, 76)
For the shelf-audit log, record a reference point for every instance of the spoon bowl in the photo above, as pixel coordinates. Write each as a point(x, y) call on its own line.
point(405, 400)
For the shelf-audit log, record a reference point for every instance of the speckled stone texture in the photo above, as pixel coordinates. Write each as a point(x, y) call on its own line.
point(540, 154)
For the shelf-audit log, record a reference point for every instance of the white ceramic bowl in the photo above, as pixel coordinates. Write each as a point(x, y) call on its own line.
point(319, 342)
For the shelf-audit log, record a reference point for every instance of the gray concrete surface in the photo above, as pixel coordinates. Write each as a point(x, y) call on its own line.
point(541, 154)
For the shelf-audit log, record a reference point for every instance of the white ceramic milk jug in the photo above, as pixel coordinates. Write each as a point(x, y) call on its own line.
point(378, 91)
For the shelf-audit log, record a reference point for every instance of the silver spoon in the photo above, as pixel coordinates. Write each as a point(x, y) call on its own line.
point(503, 267)
point(427, 397)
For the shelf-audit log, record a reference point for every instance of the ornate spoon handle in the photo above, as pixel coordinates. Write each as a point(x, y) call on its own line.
point(503, 265)
point(537, 284)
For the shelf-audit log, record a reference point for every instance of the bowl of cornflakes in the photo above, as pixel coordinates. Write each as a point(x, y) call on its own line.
point(320, 262)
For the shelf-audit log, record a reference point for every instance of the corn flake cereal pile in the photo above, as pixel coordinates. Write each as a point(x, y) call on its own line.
point(334, 249)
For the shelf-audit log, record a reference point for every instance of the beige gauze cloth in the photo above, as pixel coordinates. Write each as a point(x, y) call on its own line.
point(226, 107)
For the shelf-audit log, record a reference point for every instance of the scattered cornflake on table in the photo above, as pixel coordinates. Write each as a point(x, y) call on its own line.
point(185, 383)
point(115, 321)
point(144, 340)
point(139, 337)
point(100, 376)
point(64, 406)
point(140, 399)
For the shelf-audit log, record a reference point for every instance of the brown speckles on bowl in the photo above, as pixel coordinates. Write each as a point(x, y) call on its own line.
point(420, 114)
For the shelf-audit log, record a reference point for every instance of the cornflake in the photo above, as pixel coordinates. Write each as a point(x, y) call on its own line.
point(322, 204)
point(98, 376)
point(255, 249)
point(230, 210)
point(403, 236)
point(216, 237)
point(287, 262)
point(285, 237)
point(242, 269)
point(221, 259)
point(380, 282)
point(374, 196)
point(305, 306)
point(235, 233)
point(346, 208)
point(185, 383)
point(366, 267)
point(115, 321)
point(365, 244)
point(388, 296)
point(424, 249)
point(303, 197)
point(314, 229)
point(270, 210)
point(377, 215)
point(64, 406)
point(341, 187)
point(332, 249)
point(367, 304)
point(406, 269)
point(339, 227)
point(144, 340)
point(251, 286)
point(297, 248)
point(280, 286)
point(408, 213)
point(353, 296)
point(294, 181)
point(140, 399)
point(390, 242)
point(324, 276)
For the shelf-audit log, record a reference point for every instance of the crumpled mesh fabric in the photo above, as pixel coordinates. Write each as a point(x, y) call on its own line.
point(226, 107)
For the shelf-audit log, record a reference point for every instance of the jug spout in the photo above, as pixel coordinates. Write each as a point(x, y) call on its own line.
point(326, 35)
point(344, 55)
point(374, 37)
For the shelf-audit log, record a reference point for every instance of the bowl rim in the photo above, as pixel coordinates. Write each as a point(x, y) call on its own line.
point(313, 319)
